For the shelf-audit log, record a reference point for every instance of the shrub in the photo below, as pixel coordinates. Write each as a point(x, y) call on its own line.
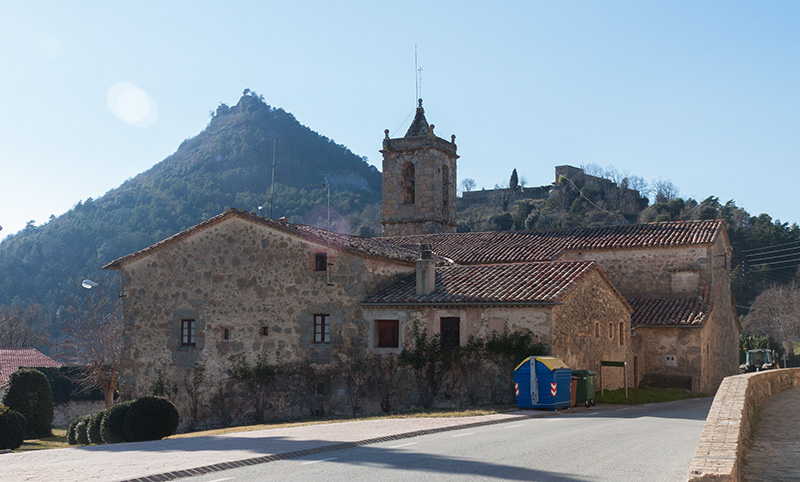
point(93, 427)
point(29, 393)
point(112, 428)
point(71, 435)
point(81, 435)
point(11, 428)
point(150, 418)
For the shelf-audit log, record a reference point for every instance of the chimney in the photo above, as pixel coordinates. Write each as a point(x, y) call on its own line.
point(426, 271)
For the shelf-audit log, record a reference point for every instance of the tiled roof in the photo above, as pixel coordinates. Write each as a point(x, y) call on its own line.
point(520, 283)
point(364, 246)
point(419, 126)
point(526, 246)
point(11, 359)
point(669, 312)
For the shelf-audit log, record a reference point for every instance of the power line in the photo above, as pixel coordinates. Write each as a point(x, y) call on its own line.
point(752, 261)
point(794, 250)
point(770, 247)
point(796, 260)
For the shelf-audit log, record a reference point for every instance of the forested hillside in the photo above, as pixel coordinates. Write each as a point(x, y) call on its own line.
point(227, 165)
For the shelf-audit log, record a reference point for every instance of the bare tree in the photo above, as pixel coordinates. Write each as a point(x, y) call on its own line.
point(22, 326)
point(93, 340)
point(776, 313)
point(664, 191)
point(468, 185)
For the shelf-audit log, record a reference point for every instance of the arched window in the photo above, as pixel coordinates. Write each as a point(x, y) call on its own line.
point(408, 183)
point(445, 187)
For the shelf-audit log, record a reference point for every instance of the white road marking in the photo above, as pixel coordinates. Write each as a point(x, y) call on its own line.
point(220, 480)
point(515, 426)
point(318, 461)
point(403, 445)
point(464, 434)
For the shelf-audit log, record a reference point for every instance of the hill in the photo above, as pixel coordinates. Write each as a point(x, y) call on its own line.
point(228, 164)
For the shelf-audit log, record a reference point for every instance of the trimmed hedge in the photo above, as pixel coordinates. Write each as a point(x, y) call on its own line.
point(29, 393)
point(80, 431)
point(112, 428)
point(150, 418)
point(11, 428)
point(71, 434)
point(93, 427)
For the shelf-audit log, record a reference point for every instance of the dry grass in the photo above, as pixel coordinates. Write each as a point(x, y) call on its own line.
point(57, 441)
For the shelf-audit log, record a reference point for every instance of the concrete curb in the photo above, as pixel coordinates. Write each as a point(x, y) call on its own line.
point(207, 469)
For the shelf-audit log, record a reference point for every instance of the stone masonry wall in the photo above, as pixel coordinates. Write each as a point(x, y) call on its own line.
point(586, 329)
point(240, 276)
point(649, 272)
point(434, 207)
point(731, 421)
point(721, 330)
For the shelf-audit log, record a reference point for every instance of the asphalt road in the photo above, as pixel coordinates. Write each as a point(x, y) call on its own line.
point(642, 443)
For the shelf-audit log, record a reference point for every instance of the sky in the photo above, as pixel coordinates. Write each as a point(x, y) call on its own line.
point(703, 94)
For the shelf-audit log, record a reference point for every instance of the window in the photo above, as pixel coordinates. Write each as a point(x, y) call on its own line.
point(264, 330)
point(597, 329)
point(322, 329)
point(188, 333)
point(451, 332)
point(621, 334)
point(388, 333)
point(225, 333)
point(445, 186)
point(408, 183)
point(321, 262)
point(611, 330)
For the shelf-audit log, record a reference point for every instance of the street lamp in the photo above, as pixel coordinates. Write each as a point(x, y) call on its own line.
point(89, 284)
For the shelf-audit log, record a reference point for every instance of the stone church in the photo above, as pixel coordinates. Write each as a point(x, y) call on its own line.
point(655, 295)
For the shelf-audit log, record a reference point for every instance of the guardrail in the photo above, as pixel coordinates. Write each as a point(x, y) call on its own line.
point(732, 420)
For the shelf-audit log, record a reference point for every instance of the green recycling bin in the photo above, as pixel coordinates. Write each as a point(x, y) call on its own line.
point(586, 385)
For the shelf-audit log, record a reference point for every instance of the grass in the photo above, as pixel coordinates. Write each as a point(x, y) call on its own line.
point(57, 441)
point(645, 395)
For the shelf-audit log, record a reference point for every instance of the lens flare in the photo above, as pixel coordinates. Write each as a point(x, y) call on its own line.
point(131, 104)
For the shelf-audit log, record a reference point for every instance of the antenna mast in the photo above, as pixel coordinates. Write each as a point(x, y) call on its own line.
point(272, 184)
point(417, 76)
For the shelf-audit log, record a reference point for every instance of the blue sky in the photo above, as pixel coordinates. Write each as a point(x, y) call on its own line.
point(700, 93)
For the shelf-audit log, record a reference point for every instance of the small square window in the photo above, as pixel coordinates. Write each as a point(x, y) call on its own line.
point(388, 333)
point(322, 329)
point(188, 333)
point(450, 329)
point(264, 330)
point(321, 262)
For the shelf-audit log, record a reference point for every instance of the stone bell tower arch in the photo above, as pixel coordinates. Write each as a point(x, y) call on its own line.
point(419, 181)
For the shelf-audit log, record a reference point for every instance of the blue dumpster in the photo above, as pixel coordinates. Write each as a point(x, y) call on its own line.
point(542, 382)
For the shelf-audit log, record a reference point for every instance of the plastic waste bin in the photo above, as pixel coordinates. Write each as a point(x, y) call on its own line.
point(542, 382)
point(586, 384)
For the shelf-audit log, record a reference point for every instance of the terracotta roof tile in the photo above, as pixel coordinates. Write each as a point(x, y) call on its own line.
point(375, 247)
point(12, 359)
point(669, 312)
point(534, 283)
point(526, 246)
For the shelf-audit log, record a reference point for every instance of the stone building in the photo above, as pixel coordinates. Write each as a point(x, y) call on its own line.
point(656, 295)
point(419, 181)
point(675, 275)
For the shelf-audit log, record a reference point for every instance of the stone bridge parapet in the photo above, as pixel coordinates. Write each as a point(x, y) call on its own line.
point(732, 421)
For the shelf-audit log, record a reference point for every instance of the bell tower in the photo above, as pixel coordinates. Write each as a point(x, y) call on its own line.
point(419, 181)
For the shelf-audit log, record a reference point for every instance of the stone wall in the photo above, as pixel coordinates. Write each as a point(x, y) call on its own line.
point(586, 329)
point(257, 283)
point(434, 206)
point(65, 413)
point(731, 421)
point(649, 272)
point(721, 330)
